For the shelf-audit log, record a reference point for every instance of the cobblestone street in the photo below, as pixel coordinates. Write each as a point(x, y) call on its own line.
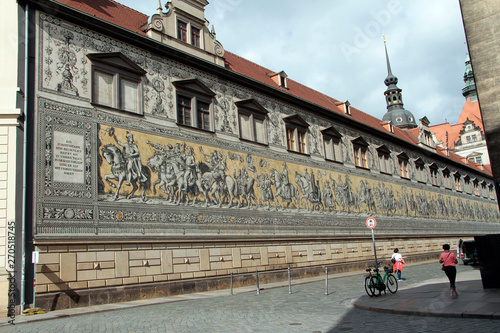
point(307, 309)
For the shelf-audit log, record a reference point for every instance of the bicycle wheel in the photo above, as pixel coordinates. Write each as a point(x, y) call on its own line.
point(392, 283)
point(374, 285)
point(367, 286)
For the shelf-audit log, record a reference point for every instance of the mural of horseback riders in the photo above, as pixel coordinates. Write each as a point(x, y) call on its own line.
point(126, 166)
point(176, 172)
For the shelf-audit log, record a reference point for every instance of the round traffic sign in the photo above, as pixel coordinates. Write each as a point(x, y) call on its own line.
point(371, 222)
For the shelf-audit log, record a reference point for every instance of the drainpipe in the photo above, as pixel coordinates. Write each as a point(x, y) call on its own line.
point(25, 155)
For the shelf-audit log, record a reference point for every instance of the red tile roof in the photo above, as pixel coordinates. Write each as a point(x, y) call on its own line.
point(470, 111)
point(111, 11)
point(130, 19)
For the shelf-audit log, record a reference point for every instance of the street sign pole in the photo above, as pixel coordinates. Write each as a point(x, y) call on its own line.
point(374, 248)
point(371, 223)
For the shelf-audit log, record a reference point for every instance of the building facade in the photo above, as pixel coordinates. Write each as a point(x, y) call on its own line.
point(467, 137)
point(481, 26)
point(159, 163)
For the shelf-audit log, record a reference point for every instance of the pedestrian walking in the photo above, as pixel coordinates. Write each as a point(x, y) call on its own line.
point(449, 260)
point(399, 262)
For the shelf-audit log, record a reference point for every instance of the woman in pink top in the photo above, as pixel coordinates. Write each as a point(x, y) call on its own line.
point(449, 260)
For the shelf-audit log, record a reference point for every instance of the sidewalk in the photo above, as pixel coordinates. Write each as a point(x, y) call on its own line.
point(429, 297)
point(432, 298)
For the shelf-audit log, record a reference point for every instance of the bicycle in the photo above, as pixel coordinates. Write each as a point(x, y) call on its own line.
point(375, 283)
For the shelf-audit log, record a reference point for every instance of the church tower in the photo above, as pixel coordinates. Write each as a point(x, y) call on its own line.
point(396, 113)
point(470, 85)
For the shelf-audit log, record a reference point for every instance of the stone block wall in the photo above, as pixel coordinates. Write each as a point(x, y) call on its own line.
point(101, 268)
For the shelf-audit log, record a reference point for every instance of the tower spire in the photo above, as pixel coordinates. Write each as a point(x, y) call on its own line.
point(396, 113)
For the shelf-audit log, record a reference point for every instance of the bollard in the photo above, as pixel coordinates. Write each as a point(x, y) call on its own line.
point(231, 283)
point(326, 281)
point(289, 281)
point(257, 277)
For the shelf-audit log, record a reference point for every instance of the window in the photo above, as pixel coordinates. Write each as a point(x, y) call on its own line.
point(280, 78)
point(195, 37)
point(182, 31)
point(360, 146)
point(447, 178)
point(296, 138)
point(479, 160)
point(468, 139)
point(403, 166)
point(458, 184)
point(332, 144)
point(189, 33)
point(474, 137)
point(434, 174)
point(116, 82)
point(384, 157)
point(252, 121)
point(476, 187)
point(467, 185)
point(194, 104)
point(420, 171)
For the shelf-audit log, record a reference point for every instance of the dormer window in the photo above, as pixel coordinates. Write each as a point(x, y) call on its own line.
point(280, 79)
point(182, 31)
point(195, 37)
point(188, 33)
point(296, 134)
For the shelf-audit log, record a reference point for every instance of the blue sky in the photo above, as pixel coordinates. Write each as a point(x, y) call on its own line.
point(336, 47)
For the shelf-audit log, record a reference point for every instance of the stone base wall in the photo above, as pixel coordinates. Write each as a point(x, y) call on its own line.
point(73, 275)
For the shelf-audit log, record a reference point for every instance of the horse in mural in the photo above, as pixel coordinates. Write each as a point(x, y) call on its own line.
point(171, 179)
point(327, 197)
point(216, 188)
point(310, 190)
point(288, 193)
point(343, 193)
point(119, 171)
point(365, 195)
point(245, 188)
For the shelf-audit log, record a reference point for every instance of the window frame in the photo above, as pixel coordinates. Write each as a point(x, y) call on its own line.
point(197, 93)
point(360, 148)
point(384, 159)
point(458, 184)
point(255, 112)
point(296, 134)
point(403, 163)
point(420, 171)
point(434, 174)
point(332, 145)
point(120, 69)
point(190, 32)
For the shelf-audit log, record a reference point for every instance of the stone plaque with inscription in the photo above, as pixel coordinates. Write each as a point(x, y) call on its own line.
point(68, 158)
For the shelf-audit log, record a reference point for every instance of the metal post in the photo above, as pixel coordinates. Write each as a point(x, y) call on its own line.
point(326, 281)
point(257, 277)
point(374, 249)
point(289, 281)
point(34, 284)
point(231, 283)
